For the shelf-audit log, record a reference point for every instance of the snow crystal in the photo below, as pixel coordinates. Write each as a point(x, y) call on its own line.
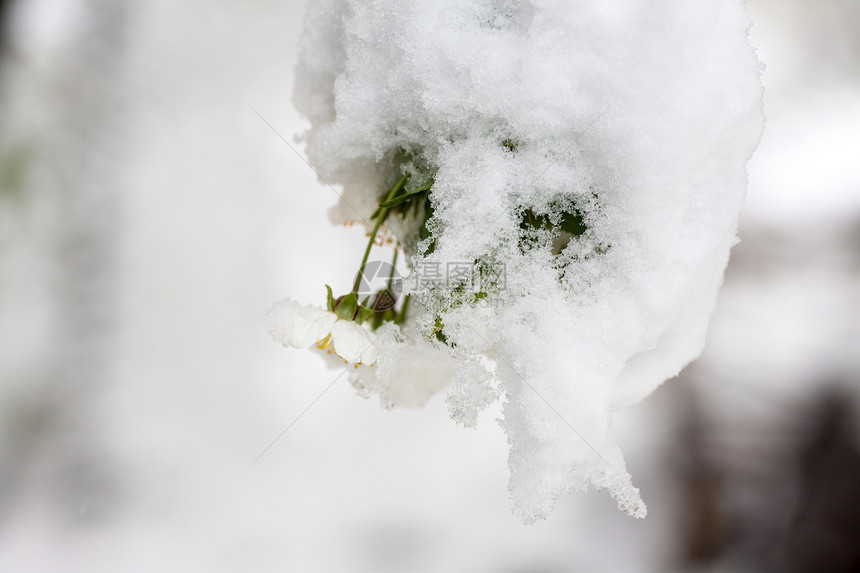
point(594, 150)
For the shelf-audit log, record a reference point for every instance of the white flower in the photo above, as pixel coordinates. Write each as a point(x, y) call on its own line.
point(300, 326)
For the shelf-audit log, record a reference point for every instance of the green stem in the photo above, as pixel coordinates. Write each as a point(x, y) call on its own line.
point(393, 268)
point(401, 316)
point(383, 213)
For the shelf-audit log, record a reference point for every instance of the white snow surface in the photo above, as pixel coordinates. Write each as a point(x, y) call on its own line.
point(639, 116)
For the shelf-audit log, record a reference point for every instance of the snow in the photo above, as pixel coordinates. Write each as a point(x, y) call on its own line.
point(409, 371)
point(639, 119)
point(219, 218)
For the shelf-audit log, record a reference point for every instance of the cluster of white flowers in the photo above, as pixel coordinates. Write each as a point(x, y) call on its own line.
point(301, 326)
point(584, 160)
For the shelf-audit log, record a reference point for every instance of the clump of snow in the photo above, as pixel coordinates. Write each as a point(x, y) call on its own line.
point(595, 150)
point(409, 371)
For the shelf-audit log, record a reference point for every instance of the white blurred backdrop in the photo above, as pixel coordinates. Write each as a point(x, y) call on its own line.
point(149, 216)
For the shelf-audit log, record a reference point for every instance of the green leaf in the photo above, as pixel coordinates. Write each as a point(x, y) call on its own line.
point(364, 313)
point(437, 331)
point(572, 223)
point(404, 198)
point(329, 299)
point(424, 232)
point(379, 317)
point(346, 308)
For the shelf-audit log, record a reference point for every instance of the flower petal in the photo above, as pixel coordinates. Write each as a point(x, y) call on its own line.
point(298, 325)
point(353, 343)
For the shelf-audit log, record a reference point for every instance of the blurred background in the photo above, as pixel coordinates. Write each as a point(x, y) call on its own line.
point(149, 216)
